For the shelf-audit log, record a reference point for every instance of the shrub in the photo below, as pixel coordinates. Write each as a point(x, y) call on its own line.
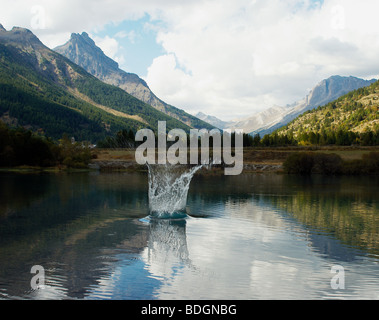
point(306, 163)
point(353, 167)
point(327, 163)
point(330, 164)
point(299, 163)
point(371, 161)
point(368, 165)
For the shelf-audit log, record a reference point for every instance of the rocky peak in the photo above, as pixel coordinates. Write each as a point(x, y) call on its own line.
point(21, 36)
point(84, 40)
point(24, 34)
point(334, 87)
point(82, 50)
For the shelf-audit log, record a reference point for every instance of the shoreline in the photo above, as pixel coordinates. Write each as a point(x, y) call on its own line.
point(128, 166)
point(256, 160)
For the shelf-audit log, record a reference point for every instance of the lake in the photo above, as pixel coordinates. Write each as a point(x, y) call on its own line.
point(246, 237)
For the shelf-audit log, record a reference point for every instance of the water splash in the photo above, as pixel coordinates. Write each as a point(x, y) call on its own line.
point(168, 190)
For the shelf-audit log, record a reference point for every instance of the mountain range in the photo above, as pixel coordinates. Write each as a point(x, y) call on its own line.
point(268, 121)
point(83, 51)
point(355, 114)
point(44, 91)
point(78, 90)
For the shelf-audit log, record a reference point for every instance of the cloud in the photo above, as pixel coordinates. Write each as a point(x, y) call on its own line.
point(110, 47)
point(225, 58)
point(245, 56)
point(131, 35)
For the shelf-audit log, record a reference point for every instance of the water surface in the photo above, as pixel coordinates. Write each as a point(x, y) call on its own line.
point(246, 237)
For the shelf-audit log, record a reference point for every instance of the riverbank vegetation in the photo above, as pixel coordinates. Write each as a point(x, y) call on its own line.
point(326, 137)
point(20, 147)
point(306, 163)
point(352, 119)
point(330, 160)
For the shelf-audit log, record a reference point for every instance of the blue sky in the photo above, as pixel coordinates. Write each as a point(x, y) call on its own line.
point(137, 43)
point(137, 40)
point(229, 59)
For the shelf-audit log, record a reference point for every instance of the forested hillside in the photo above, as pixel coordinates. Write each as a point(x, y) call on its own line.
point(352, 119)
point(83, 51)
point(43, 91)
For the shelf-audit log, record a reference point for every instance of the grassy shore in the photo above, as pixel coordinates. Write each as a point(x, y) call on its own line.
point(261, 155)
point(265, 160)
point(38, 170)
point(255, 159)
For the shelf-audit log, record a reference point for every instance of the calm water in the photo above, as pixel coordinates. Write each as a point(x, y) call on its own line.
point(247, 237)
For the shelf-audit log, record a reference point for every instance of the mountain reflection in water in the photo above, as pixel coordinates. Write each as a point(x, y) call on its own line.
point(245, 237)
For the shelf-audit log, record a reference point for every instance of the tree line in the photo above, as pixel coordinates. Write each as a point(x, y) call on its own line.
point(20, 147)
point(340, 137)
point(125, 139)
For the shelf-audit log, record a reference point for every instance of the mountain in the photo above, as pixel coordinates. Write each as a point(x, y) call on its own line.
point(356, 112)
point(268, 117)
point(331, 89)
point(44, 91)
point(214, 121)
point(326, 91)
point(82, 50)
point(269, 120)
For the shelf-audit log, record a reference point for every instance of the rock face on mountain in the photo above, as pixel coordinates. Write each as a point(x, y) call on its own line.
point(21, 37)
point(82, 50)
point(333, 88)
point(214, 121)
point(267, 117)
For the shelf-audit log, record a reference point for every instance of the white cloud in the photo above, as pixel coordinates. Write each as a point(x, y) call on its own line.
point(131, 35)
point(246, 56)
point(110, 47)
point(225, 58)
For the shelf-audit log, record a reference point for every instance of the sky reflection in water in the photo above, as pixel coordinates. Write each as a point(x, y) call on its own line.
point(246, 237)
